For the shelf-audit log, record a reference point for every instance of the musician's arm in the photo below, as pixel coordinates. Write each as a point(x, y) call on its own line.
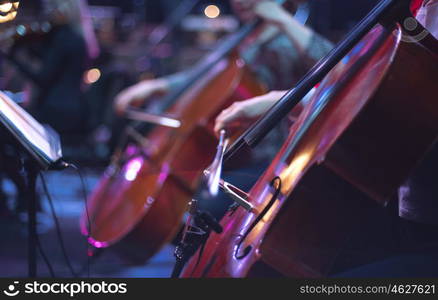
point(274, 13)
point(302, 37)
point(144, 90)
point(288, 57)
point(243, 113)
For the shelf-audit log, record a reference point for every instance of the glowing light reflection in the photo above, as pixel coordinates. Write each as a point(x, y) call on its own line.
point(212, 11)
point(290, 174)
point(91, 76)
point(97, 244)
point(6, 7)
point(133, 168)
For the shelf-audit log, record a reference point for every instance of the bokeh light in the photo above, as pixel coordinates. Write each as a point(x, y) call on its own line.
point(92, 75)
point(212, 11)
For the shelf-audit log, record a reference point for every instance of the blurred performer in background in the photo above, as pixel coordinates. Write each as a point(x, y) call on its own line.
point(63, 55)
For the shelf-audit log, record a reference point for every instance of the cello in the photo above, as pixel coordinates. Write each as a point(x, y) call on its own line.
point(138, 205)
point(352, 147)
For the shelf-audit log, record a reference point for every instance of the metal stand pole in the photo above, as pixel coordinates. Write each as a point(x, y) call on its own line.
point(32, 199)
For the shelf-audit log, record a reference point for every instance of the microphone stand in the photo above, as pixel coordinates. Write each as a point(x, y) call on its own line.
point(39, 149)
point(200, 224)
point(31, 170)
point(196, 232)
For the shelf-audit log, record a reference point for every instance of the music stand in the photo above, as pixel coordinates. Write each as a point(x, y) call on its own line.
point(40, 150)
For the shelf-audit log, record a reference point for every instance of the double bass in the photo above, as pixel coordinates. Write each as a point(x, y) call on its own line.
point(369, 123)
point(139, 203)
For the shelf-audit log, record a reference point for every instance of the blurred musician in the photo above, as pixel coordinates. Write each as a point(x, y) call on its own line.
point(63, 55)
point(279, 56)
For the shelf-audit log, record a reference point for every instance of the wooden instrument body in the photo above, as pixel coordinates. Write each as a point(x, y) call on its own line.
point(370, 122)
point(138, 204)
point(140, 207)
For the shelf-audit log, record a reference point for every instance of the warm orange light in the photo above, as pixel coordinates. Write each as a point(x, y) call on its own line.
point(295, 169)
point(93, 75)
point(8, 17)
point(6, 7)
point(212, 11)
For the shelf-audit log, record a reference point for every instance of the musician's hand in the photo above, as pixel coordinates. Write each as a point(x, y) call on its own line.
point(242, 114)
point(139, 94)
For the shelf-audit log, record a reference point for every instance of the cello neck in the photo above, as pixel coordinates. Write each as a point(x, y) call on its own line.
point(226, 46)
point(206, 64)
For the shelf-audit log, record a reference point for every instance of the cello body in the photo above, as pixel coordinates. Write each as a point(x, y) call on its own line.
point(367, 126)
point(138, 206)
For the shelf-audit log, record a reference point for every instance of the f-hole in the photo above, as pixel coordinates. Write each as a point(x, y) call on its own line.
point(276, 185)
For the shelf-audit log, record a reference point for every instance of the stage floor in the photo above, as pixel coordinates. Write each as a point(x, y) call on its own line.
point(66, 191)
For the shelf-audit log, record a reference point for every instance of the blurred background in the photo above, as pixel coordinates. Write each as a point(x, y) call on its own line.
point(140, 39)
point(137, 39)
